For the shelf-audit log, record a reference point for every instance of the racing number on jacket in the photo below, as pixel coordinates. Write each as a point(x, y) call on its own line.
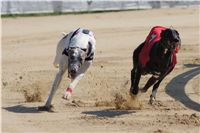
point(153, 36)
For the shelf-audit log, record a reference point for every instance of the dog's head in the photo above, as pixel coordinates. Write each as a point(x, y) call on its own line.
point(76, 57)
point(170, 39)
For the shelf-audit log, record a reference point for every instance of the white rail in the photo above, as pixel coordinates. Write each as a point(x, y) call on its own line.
point(61, 6)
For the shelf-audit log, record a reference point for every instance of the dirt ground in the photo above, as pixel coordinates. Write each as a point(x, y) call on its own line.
point(28, 50)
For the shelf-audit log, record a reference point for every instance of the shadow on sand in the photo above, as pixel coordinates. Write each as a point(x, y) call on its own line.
point(21, 109)
point(176, 87)
point(108, 112)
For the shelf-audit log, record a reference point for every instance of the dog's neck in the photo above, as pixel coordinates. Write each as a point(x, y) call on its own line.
point(163, 52)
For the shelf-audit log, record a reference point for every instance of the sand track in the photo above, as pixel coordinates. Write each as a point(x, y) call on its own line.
point(28, 49)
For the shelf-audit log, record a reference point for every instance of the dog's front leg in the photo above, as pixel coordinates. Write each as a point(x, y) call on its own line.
point(54, 87)
point(80, 74)
point(48, 106)
point(72, 85)
point(56, 82)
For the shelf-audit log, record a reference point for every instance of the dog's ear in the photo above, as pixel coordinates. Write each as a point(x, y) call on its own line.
point(165, 34)
point(86, 31)
point(89, 49)
point(176, 36)
point(65, 51)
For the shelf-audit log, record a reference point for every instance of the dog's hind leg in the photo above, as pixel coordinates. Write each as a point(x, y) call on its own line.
point(149, 83)
point(156, 85)
point(155, 88)
point(62, 44)
point(154, 92)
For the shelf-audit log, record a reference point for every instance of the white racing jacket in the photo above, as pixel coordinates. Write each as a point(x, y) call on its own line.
point(81, 38)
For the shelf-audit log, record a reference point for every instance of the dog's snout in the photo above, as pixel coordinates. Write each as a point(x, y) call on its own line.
point(73, 71)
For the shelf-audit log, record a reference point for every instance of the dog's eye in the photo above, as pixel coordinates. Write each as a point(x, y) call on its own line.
point(84, 49)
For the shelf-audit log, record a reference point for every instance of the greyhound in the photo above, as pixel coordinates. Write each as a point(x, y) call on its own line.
point(75, 52)
point(156, 56)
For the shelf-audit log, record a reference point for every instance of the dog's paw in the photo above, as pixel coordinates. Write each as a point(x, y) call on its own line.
point(67, 95)
point(152, 100)
point(46, 108)
point(133, 96)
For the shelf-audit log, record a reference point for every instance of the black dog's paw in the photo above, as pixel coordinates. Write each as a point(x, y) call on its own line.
point(45, 108)
point(134, 91)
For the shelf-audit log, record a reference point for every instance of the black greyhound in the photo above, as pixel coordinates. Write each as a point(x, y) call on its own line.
point(156, 56)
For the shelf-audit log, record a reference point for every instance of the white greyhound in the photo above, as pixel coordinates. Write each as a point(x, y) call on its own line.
point(75, 52)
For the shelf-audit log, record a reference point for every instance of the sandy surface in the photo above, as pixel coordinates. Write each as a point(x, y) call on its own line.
point(28, 50)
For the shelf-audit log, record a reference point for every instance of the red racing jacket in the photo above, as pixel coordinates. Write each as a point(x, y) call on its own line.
point(152, 38)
